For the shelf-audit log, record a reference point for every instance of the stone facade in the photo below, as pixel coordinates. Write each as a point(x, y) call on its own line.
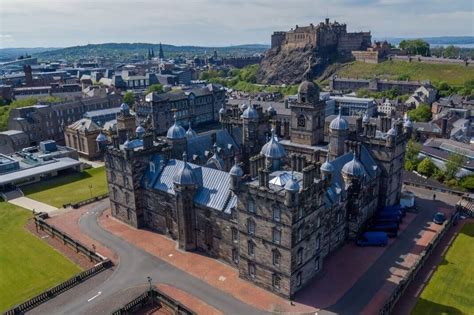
point(324, 37)
point(277, 221)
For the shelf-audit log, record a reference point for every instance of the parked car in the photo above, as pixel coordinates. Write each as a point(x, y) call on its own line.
point(439, 218)
point(388, 227)
point(373, 239)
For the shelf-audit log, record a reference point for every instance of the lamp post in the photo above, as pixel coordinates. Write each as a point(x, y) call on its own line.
point(90, 189)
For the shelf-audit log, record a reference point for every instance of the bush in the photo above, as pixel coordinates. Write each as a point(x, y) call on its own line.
point(421, 113)
point(467, 182)
point(409, 166)
point(426, 167)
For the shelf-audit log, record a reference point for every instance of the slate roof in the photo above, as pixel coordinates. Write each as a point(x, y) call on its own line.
point(337, 186)
point(203, 143)
point(83, 125)
point(213, 185)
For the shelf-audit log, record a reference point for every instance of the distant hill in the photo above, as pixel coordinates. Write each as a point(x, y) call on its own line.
point(122, 51)
point(462, 41)
point(7, 54)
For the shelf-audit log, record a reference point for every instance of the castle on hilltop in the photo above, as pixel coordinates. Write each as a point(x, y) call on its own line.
point(324, 37)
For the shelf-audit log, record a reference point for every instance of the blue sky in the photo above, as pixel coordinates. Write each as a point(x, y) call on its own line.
point(60, 23)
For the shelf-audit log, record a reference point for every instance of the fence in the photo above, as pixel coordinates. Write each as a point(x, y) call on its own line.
point(434, 188)
point(465, 206)
point(102, 264)
point(149, 298)
point(404, 283)
point(86, 202)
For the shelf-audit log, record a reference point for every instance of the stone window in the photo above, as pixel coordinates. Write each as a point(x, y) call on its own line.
point(129, 214)
point(251, 248)
point(276, 281)
point(125, 181)
point(235, 235)
point(276, 257)
point(250, 226)
point(235, 255)
point(318, 222)
point(127, 197)
point(277, 214)
point(276, 235)
point(114, 191)
point(298, 279)
point(318, 242)
point(300, 212)
point(299, 257)
point(300, 233)
point(338, 220)
point(316, 264)
point(251, 205)
point(113, 177)
point(252, 270)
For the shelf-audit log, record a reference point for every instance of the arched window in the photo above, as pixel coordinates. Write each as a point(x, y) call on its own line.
point(250, 226)
point(276, 257)
point(251, 248)
point(251, 205)
point(276, 214)
point(276, 235)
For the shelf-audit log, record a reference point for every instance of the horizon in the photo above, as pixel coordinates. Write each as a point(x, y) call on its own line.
point(226, 23)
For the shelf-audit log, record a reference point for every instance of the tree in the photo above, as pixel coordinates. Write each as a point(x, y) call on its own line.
point(421, 113)
point(411, 153)
point(157, 88)
point(453, 165)
point(129, 98)
point(426, 167)
point(415, 47)
point(452, 51)
point(467, 182)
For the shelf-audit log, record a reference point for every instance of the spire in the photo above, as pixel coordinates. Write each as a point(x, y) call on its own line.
point(161, 54)
point(153, 52)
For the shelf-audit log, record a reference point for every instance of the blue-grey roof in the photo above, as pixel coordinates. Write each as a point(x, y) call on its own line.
point(339, 123)
point(185, 175)
point(250, 113)
point(201, 145)
point(273, 149)
point(333, 193)
point(354, 168)
point(292, 185)
point(176, 132)
point(190, 133)
point(213, 186)
point(236, 170)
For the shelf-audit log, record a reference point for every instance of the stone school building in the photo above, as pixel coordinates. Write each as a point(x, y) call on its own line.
point(277, 221)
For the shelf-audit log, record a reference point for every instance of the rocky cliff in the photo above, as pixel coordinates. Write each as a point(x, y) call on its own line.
point(288, 66)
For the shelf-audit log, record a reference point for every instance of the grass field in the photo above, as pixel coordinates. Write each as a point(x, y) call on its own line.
point(28, 266)
point(69, 188)
point(451, 288)
point(452, 74)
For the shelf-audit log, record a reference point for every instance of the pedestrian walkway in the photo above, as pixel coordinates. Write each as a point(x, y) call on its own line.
point(31, 204)
point(94, 164)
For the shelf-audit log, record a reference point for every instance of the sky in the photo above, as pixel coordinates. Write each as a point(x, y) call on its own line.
point(62, 23)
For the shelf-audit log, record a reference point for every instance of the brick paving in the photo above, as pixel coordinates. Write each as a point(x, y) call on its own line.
point(69, 223)
point(408, 301)
point(400, 269)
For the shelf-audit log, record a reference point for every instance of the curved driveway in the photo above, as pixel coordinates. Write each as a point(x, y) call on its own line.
point(134, 267)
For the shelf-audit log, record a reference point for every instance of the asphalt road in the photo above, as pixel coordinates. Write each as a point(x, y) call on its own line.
point(132, 271)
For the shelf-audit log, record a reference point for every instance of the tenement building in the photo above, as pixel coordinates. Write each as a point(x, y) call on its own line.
point(274, 213)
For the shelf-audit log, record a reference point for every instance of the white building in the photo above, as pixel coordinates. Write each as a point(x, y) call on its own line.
point(355, 106)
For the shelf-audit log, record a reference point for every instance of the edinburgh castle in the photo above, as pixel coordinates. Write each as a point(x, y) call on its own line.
point(323, 43)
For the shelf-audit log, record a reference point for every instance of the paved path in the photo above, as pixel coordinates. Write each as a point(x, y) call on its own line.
point(135, 265)
point(31, 204)
point(360, 295)
point(94, 164)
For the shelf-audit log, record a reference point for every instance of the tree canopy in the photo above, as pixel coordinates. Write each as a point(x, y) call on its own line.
point(426, 167)
point(415, 47)
point(157, 88)
point(421, 113)
point(453, 165)
point(129, 98)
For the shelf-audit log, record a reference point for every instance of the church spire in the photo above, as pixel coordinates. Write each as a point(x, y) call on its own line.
point(161, 53)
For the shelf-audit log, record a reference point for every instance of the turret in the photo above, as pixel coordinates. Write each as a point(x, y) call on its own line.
point(408, 128)
point(352, 172)
point(273, 152)
point(291, 192)
point(338, 133)
point(176, 137)
point(236, 174)
point(327, 171)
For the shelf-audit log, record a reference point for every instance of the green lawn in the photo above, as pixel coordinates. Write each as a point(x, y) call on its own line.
point(451, 74)
point(451, 288)
point(28, 265)
point(68, 188)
